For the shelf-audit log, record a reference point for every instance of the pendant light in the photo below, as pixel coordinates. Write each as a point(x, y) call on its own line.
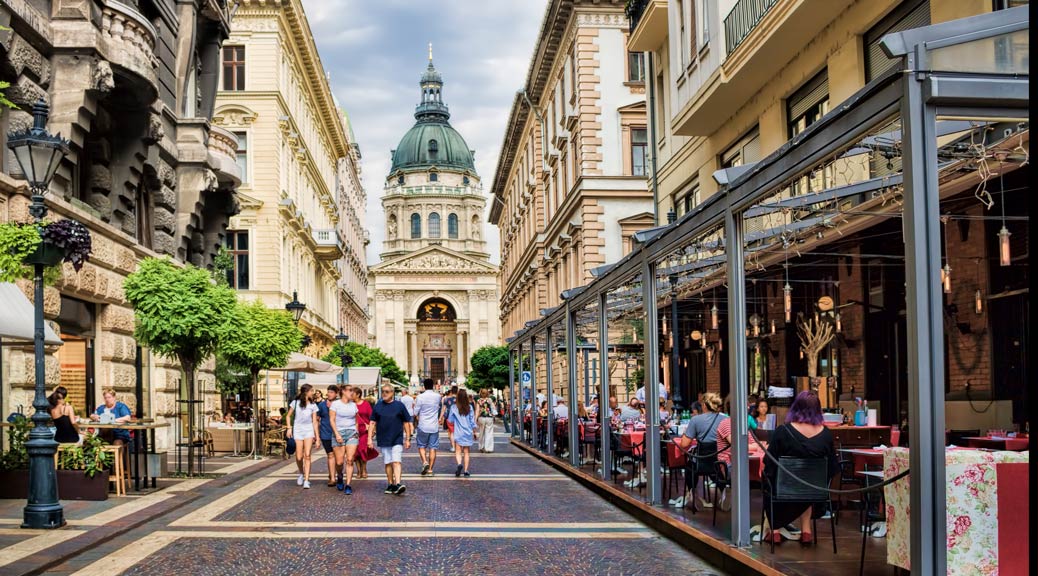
point(720, 345)
point(839, 323)
point(772, 326)
point(978, 297)
point(787, 290)
point(713, 317)
point(1004, 256)
point(946, 271)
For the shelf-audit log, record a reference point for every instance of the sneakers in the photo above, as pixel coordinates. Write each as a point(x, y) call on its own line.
point(306, 484)
point(425, 470)
point(390, 489)
point(300, 480)
point(340, 484)
point(399, 489)
point(466, 474)
point(788, 534)
point(457, 472)
point(347, 490)
point(678, 502)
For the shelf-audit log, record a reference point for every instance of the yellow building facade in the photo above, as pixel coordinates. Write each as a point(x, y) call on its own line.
point(299, 231)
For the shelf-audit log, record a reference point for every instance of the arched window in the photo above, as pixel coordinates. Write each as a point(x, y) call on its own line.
point(400, 180)
point(434, 177)
point(416, 226)
point(434, 225)
point(452, 226)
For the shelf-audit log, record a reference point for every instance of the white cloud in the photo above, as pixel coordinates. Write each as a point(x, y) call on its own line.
point(376, 51)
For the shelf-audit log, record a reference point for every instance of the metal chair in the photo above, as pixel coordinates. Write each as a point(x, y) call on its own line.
point(722, 481)
point(788, 490)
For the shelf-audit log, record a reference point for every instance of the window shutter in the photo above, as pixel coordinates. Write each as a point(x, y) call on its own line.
point(910, 14)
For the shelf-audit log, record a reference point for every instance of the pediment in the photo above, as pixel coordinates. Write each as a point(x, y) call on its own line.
point(435, 260)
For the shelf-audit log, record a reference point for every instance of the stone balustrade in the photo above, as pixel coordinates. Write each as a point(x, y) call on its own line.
point(130, 39)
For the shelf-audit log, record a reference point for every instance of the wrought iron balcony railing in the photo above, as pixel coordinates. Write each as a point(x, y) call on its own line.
point(743, 18)
point(634, 10)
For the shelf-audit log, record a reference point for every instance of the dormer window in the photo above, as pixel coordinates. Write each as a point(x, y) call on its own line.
point(434, 177)
point(434, 147)
point(400, 180)
point(465, 180)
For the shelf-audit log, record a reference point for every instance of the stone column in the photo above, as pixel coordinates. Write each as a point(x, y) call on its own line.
point(462, 355)
point(413, 350)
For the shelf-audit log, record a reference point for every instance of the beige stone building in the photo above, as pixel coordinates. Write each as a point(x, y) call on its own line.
point(299, 229)
point(570, 186)
point(435, 291)
point(132, 85)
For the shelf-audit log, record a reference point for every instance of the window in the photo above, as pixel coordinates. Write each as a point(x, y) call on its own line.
point(704, 22)
point(242, 156)
point(452, 226)
point(234, 68)
point(687, 200)
point(434, 225)
point(434, 148)
point(142, 209)
point(400, 180)
point(635, 67)
point(809, 103)
point(911, 14)
point(434, 177)
point(639, 151)
point(745, 151)
point(237, 243)
point(465, 180)
point(680, 5)
point(416, 226)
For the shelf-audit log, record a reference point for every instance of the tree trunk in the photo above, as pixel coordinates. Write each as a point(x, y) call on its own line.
point(188, 365)
point(812, 365)
point(255, 412)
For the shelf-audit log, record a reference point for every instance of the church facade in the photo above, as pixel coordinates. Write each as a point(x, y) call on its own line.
point(434, 293)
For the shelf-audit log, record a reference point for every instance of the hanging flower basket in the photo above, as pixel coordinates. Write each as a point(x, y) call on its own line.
point(46, 253)
point(25, 244)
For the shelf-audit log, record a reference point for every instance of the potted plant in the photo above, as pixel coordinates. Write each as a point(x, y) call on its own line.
point(47, 243)
point(82, 470)
point(14, 463)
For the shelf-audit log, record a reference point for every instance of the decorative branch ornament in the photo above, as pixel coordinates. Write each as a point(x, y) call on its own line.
point(815, 334)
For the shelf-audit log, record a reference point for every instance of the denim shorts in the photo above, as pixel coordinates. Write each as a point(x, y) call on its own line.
point(430, 440)
point(349, 438)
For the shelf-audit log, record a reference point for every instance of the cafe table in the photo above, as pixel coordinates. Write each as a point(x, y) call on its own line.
point(997, 443)
point(987, 506)
point(235, 429)
point(141, 445)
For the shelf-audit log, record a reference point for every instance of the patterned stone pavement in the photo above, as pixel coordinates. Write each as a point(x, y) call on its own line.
point(514, 516)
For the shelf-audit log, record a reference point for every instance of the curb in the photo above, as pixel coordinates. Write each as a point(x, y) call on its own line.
point(720, 554)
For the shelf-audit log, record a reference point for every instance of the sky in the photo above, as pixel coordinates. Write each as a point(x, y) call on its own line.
point(376, 50)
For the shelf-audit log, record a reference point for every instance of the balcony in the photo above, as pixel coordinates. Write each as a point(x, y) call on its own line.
point(223, 148)
point(327, 244)
point(743, 18)
point(129, 40)
point(648, 24)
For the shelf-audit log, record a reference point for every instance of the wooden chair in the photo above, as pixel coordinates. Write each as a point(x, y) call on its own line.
point(275, 439)
point(208, 444)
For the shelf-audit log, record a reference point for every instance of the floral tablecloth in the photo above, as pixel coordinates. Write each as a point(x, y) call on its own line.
point(973, 537)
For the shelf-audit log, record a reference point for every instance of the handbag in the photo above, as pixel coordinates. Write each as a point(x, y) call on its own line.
point(290, 446)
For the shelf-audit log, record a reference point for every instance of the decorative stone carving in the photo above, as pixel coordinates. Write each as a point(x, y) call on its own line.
point(439, 263)
point(25, 92)
point(27, 60)
point(156, 132)
point(103, 80)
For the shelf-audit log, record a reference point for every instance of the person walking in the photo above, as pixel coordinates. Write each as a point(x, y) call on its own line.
point(325, 431)
point(391, 428)
point(408, 401)
point(448, 402)
point(486, 408)
point(303, 414)
point(428, 415)
point(343, 413)
point(461, 415)
point(365, 452)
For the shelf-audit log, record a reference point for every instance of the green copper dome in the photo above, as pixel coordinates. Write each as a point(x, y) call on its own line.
point(432, 141)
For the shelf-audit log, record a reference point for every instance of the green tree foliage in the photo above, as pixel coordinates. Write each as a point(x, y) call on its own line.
point(366, 356)
point(231, 379)
point(489, 368)
point(259, 338)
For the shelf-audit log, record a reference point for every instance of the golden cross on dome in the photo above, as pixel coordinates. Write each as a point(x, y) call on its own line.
point(430, 51)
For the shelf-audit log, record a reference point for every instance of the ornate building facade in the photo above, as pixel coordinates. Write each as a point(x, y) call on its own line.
point(570, 188)
point(299, 231)
point(435, 290)
point(132, 85)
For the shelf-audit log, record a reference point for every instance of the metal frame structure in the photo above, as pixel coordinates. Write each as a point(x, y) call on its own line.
point(919, 95)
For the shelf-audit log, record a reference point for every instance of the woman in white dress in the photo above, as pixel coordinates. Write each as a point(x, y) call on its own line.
point(303, 415)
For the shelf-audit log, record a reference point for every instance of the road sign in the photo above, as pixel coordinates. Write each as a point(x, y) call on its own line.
point(526, 377)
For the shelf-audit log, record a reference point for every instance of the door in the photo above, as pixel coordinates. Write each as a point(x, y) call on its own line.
point(437, 368)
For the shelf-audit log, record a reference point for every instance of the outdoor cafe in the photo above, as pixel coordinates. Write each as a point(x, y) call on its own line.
point(879, 260)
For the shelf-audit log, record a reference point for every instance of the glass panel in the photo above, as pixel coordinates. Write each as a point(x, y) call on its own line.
point(1004, 54)
point(243, 272)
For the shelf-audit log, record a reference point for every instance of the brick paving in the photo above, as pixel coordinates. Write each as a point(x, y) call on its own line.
point(516, 515)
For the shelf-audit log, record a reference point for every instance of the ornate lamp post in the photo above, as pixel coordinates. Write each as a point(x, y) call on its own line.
point(344, 356)
point(39, 153)
point(296, 308)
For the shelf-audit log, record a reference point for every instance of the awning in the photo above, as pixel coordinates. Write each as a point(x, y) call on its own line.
point(17, 321)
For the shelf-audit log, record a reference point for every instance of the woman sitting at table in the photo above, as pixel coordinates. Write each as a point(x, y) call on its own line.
point(759, 414)
point(802, 436)
point(66, 428)
point(118, 412)
point(702, 428)
point(664, 413)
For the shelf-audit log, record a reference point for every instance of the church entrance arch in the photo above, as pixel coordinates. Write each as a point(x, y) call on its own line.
point(437, 335)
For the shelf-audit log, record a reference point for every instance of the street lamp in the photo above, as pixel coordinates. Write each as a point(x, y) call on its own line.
point(296, 307)
point(39, 153)
point(342, 339)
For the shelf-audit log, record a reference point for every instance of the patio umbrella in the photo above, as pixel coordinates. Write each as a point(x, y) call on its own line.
point(301, 363)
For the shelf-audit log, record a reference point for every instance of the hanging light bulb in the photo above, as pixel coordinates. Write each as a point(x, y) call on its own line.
point(801, 353)
point(946, 271)
point(1004, 256)
point(713, 317)
point(839, 323)
point(702, 341)
point(720, 346)
point(787, 300)
point(946, 278)
point(772, 326)
point(978, 303)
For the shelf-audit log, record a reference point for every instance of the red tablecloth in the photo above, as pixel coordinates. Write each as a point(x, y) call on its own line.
point(997, 443)
point(634, 441)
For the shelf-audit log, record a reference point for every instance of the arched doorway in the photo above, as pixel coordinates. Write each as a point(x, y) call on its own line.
point(437, 334)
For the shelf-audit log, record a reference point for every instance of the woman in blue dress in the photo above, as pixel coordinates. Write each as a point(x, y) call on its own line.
point(463, 417)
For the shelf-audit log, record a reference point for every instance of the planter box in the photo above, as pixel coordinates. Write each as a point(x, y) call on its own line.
point(72, 485)
point(46, 254)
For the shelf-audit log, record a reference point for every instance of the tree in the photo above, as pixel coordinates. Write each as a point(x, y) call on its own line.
point(180, 314)
point(489, 368)
point(258, 338)
point(366, 356)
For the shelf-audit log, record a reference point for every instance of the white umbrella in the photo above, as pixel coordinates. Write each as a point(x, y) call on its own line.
point(301, 363)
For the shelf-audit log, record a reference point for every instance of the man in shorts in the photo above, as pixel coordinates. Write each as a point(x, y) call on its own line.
point(428, 418)
point(391, 426)
point(325, 432)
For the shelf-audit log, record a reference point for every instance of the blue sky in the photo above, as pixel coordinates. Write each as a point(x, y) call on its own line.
point(375, 51)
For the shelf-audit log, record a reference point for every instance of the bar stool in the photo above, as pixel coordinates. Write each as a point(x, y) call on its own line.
point(120, 475)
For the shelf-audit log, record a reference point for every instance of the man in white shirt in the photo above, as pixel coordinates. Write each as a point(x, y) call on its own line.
point(427, 411)
point(408, 401)
point(640, 394)
point(561, 411)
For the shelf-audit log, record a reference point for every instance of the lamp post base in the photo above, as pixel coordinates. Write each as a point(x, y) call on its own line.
point(43, 517)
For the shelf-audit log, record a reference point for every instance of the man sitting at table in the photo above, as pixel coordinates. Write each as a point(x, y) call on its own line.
point(561, 411)
point(631, 412)
point(112, 412)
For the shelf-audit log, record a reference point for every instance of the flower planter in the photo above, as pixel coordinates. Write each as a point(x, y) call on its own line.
point(47, 254)
point(72, 485)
